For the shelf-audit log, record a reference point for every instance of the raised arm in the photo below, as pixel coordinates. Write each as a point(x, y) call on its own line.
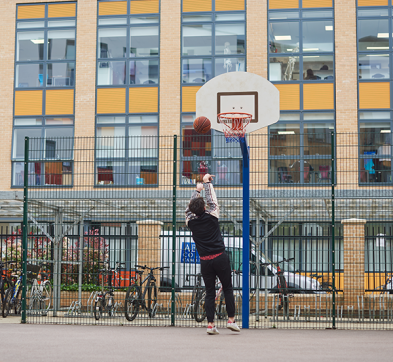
point(211, 199)
point(196, 193)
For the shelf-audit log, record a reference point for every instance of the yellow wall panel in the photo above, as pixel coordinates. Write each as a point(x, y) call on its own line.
point(111, 100)
point(197, 5)
point(289, 96)
point(374, 95)
point(112, 8)
point(145, 6)
point(229, 5)
point(143, 100)
point(28, 103)
point(283, 4)
point(318, 96)
point(189, 99)
point(372, 2)
point(317, 3)
point(61, 10)
point(31, 12)
point(59, 101)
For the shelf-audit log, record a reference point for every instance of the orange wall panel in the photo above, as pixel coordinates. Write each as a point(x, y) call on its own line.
point(229, 5)
point(283, 4)
point(289, 96)
point(374, 95)
point(112, 8)
point(28, 103)
point(373, 3)
point(111, 100)
point(199, 5)
point(189, 98)
point(59, 101)
point(143, 100)
point(317, 3)
point(61, 10)
point(318, 96)
point(31, 12)
point(145, 6)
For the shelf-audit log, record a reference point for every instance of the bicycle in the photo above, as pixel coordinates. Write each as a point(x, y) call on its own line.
point(38, 294)
point(12, 297)
point(136, 300)
point(105, 301)
point(387, 287)
point(5, 281)
point(326, 286)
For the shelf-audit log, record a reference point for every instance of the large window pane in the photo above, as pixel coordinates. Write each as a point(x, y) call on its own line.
point(318, 36)
point(143, 141)
point(59, 120)
point(111, 173)
point(373, 34)
point(144, 41)
point(230, 39)
point(317, 139)
point(110, 142)
point(112, 43)
point(28, 121)
point(227, 171)
point(284, 68)
point(284, 37)
point(61, 44)
point(144, 72)
point(225, 65)
point(60, 74)
point(319, 67)
point(59, 143)
point(197, 40)
point(317, 171)
point(282, 172)
point(143, 172)
point(375, 149)
point(111, 73)
point(197, 70)
point(30, 46)
point(374, 66)
point(284, 139)
point(18, 150)
point(195, 144)
point(29, 75)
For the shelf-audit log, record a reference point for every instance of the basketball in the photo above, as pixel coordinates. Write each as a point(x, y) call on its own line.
point(202, 125)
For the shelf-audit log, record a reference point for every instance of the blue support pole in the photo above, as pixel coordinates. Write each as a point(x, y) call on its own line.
point(246, 234)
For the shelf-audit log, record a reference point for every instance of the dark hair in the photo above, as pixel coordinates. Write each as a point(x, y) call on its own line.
point(197, 206)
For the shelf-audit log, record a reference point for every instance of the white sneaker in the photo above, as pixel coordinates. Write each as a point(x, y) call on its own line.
point(233, 326)
point(212, 330)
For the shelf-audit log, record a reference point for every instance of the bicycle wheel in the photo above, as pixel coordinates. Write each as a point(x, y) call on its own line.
point(221, 308)
point(98, 309)
point(132, 302)
point(152, 300)
point(18, 302)
point(46, 298)
point(7, 302)
point(199, 307)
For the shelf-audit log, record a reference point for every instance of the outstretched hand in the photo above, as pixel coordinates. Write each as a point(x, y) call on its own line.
point(199, 187)
point(208, 178)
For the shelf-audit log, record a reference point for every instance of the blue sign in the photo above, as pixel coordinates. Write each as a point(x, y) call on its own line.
point(189, 254)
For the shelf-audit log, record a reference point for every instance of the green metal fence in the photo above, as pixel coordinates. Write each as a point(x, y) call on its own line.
point(98, 211)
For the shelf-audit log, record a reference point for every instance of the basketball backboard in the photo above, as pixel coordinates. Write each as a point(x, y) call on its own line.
point(239, 92)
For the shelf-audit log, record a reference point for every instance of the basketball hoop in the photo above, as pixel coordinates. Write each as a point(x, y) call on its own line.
point(234, 125)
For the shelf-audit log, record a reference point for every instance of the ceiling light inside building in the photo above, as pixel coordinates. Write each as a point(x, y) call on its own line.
point(329, 27)
point(377, 48)
point(385, 131)
point(282, 37)
point(310, 49)
point(38, 41)
point(286, 132)
point(383, 35)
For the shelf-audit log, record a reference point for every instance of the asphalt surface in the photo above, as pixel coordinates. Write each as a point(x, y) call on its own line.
point(59, 343)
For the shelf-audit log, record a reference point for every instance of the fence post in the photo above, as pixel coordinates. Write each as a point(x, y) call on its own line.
point(24, 229)
point(173, 305)
point(333, 238)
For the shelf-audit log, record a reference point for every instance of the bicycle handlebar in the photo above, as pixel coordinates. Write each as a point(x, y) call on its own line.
point(151, 269)
point(192, 275)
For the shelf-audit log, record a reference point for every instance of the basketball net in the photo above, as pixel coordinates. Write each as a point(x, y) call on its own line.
point(234, 125)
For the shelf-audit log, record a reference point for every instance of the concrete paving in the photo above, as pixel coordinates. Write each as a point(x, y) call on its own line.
point(44, 343)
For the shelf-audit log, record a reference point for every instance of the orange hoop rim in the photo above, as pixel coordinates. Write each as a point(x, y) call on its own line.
point(234, 115)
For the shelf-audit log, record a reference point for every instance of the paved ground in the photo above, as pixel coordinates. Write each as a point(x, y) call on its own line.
point(44, 343)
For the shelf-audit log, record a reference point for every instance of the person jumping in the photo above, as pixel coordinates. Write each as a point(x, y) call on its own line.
point(202, 220)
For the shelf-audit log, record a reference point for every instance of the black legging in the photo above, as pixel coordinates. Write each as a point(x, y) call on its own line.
point(221, 268)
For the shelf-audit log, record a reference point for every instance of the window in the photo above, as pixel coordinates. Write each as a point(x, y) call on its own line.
point(375, 147)
point(44, 95)
point(300, 149)
point(301, 45)
point(213, 43)
point(128, 63)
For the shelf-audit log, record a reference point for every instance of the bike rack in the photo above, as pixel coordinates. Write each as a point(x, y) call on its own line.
point(318, 306)
point(90, 303)
point(350, 312)
point(276, 303)
point(74, 309)
point(361, 308)
point(296, 312)
point(307, 313)
point(328, 307)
